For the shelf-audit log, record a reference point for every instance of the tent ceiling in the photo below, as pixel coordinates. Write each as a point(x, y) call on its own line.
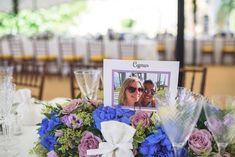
point(6, 5)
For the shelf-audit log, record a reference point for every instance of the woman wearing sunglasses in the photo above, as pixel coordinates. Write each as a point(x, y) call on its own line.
point(147, 99)
point(130, 92)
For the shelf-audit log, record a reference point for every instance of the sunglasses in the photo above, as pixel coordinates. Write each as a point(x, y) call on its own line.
point(152, 91)
point(133, 89)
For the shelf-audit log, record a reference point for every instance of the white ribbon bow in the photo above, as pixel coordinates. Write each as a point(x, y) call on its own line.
point(119, 137)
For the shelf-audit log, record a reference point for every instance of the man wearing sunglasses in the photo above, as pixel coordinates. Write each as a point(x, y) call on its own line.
point(147, 99)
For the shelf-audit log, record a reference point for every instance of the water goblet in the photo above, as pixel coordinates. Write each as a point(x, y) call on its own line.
point(220, 115)
point(88, 82)
point(179, 112)
point(6, 100)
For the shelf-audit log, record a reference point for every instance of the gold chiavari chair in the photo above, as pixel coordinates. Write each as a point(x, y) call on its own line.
point(32, 76)
point(5, 59)
point(228, 49)
point(16, 47)
point(207, 49)
point(194, 78)
point(96, 52)
point(128, 49)
point(43, 54)
point(68, 52)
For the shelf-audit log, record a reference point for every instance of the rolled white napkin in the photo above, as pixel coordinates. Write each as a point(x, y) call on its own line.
point(119, 137)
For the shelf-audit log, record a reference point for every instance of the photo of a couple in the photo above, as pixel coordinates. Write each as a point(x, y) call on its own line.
point(132, 89)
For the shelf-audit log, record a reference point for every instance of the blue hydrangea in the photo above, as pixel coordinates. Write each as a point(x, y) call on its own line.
point(49, 142)
point(105, 113)
point(157, 145)
point(47, 125)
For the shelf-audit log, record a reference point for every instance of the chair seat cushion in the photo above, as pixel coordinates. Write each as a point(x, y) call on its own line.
point(160, 48)
point(5, 56)
point(229, 49)
point(23, 57)
point(207, 49)
point(97, 58)
point(46, 57)
point(129, 58)
point(71, 58)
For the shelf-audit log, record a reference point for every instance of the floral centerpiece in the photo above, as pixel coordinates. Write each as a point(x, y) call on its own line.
point(72, 128)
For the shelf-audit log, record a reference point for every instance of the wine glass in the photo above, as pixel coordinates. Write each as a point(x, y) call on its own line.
point(220, 115)
point(88, 82)
point(7, 89)
point(179, 112)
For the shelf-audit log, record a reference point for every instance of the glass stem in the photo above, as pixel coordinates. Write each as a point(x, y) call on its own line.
point(6, 128)
point(175, 151)
point(222, 149)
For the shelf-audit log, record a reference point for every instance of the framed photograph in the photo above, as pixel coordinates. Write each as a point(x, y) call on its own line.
point(133, 83)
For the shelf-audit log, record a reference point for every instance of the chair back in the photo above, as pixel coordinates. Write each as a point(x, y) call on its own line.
point(161, 46)
point(228, 48)
point(207, 49)
point(67, 49)
point(128, 49)
point(96, 52)
point(16, 47)
point(30, 76)
point(40, 47)
point(67, 46)
point(194, 78)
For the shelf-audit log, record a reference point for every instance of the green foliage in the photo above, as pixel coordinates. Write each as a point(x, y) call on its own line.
point(142, 132)
point(231, 149)
point(201, 120)
point(53, 19)
point(225, 9)
point(86, 118)
point(70, 138)
point(39, 150)
point(127, 23)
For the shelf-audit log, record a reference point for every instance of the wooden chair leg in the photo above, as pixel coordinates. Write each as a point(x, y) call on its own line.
point(213, 58)
point(234, 58)
point(222, 59)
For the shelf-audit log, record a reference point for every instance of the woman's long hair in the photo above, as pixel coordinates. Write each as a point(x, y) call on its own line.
point(122, 98)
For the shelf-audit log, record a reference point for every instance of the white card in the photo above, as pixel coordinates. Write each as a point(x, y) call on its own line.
point(162, 73)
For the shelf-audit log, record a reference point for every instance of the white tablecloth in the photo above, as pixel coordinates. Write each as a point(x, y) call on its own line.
point(26, 141)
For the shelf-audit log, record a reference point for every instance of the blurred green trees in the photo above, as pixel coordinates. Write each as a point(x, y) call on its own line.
point(53, 19)
point(226, 12)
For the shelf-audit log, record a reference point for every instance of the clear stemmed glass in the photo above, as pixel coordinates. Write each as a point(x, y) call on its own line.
point(7, 89)
point(88, 82)
point(179, 112)
point(220, 114)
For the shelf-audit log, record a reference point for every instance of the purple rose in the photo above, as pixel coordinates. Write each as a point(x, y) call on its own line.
point(52, 154)
point(215, 125)
point(58, 133)
point(229, 119)
point(71, 121)
point(140, 117)
point(73, 105)
point(88, 141)
point(200, 142)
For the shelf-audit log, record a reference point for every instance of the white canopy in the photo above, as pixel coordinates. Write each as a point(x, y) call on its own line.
point(6, 5)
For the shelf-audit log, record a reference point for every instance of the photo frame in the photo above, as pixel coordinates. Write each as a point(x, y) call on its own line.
point(164, 75)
